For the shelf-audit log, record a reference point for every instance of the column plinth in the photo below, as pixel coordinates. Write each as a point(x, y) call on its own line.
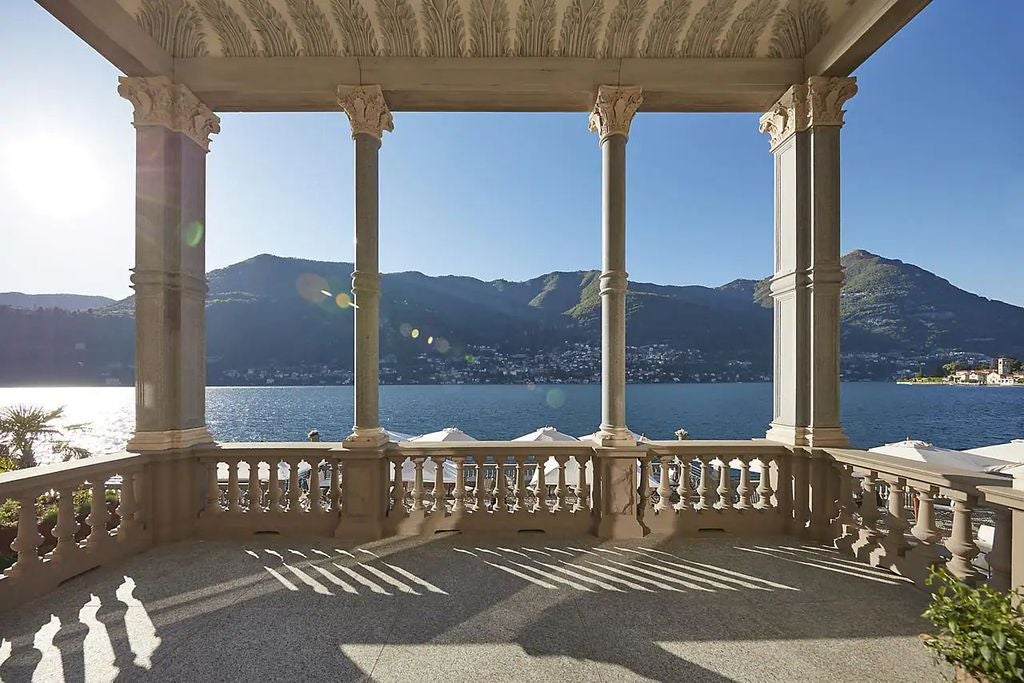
point(369, 117)
point(613, 113)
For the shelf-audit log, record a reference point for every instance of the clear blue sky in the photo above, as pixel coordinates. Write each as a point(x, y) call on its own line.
point(933, 173)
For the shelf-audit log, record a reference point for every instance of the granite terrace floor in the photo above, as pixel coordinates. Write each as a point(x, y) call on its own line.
point(459, 608)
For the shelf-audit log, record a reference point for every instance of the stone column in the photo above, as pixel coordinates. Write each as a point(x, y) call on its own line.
point(804, 127)
point(615, 488)
point(173, 130)
point(613, 112)
point(369, 115)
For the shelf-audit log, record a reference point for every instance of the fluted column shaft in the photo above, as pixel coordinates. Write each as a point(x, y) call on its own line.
point(369, 116)
point(173, 131)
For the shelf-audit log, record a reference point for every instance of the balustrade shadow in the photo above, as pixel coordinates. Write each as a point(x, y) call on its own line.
point(525, 606)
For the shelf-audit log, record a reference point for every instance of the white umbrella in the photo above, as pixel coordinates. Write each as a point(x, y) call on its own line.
point(446, 434)
point(545, 434)
point(922, 451)
point(1010, 452)
point(395, 437)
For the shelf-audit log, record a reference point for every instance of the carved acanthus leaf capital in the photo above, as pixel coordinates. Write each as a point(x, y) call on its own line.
point(614, 110)
point(366, 109)
point(787, 116)
point(158, 101)
point(818, 103)
point(826, 97)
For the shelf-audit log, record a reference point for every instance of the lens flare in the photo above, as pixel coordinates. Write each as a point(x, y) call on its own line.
point(415, 333)
point(193, 233)
point(470, 358)
point(430, 340)
point(442, 345)
point(405, 329)
point(555, 398)
point(312, 287)
point(343, 300)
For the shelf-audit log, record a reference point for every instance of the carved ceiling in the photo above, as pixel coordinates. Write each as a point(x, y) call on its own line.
point(488, 28)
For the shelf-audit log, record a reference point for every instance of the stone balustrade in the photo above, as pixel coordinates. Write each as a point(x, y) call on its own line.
point(698, 486)
point(892, 513)
point(55, 539)
point(886, 513)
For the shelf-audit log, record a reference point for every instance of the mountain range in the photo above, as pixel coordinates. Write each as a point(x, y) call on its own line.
point(270, 312)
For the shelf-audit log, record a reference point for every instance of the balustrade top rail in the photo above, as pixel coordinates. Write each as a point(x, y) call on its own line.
point(946, 478)
point(13, 484)
point(737, 447)
point(499, 448)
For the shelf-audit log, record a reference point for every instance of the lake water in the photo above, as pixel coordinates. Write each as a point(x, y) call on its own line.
point(873, 413)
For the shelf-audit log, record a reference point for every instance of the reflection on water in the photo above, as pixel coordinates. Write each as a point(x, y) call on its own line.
point(873, 413)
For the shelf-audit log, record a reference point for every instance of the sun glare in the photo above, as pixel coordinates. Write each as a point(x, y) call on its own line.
point(54, 175)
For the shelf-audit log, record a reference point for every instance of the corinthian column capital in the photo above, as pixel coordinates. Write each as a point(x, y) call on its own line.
point(614, 110)
point(158, 101)
point(818, 103)
point(366, 109)
point(825, 99)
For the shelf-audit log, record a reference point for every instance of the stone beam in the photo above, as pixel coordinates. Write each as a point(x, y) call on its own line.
point(857, 34)
point(487, 84)
point(113, 33)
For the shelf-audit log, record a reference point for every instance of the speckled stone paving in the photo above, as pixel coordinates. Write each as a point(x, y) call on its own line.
point(462, 608)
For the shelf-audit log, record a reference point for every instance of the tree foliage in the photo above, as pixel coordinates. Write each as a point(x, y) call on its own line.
point(23, 429)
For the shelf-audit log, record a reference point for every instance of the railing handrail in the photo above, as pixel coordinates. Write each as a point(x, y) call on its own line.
point(735, 447)
point(462, 448)
point(949, 478)
point(1004, 496)
point(49, 476)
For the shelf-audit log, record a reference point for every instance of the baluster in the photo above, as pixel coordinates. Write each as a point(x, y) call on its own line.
point(684, 487)
point(212, 490)
point(335, 490)
point(438, 494)
point(254, 493)
point(28, 540)
point(500, 486)
point(234, 492)
point(845, 523)
point(126, 509)
point(961, 542)
point(97, 517)
point(417, 484)
point(397, 484)
point(67, 525)
point(664, 489)
point(869, 534)
point(764, 485)
point(704, 485)
point(724, 489)
point(582, 488)
point(895, 541)
point(459, 492)
point(294, 494)
point(542, 487)
point(520, 483)
point(479, 491)
point(801, 492)
point(315, 494)
point(744, 489)
point(560, 486)
point(643, 484)
point(999, 558)
point(274, 488)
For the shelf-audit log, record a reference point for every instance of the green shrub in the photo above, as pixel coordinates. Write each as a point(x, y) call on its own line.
point(980, 630)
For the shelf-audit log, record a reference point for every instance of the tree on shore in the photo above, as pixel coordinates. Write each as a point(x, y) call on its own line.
point(24, 428)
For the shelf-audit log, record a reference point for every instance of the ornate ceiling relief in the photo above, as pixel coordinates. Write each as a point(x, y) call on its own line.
point(608, 29)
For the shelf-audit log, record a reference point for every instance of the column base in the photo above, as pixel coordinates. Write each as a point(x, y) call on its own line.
point(811, 437)
point(613, 437)
point(366, 438)
point(787, 434)
point(172, 439)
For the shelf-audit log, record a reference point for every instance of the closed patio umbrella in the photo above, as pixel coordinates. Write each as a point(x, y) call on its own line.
point(922, 451)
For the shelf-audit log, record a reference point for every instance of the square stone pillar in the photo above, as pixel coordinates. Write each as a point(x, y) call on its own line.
point(804, 127)
point(173, 131)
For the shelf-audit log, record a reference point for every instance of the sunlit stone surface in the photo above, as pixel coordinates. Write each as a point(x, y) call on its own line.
point(463, 608)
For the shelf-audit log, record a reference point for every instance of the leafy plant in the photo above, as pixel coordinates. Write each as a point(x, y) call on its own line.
point(980, 630)
point(24, 428)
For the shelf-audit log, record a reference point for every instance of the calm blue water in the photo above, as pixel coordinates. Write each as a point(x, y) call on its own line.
point(873, 413)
